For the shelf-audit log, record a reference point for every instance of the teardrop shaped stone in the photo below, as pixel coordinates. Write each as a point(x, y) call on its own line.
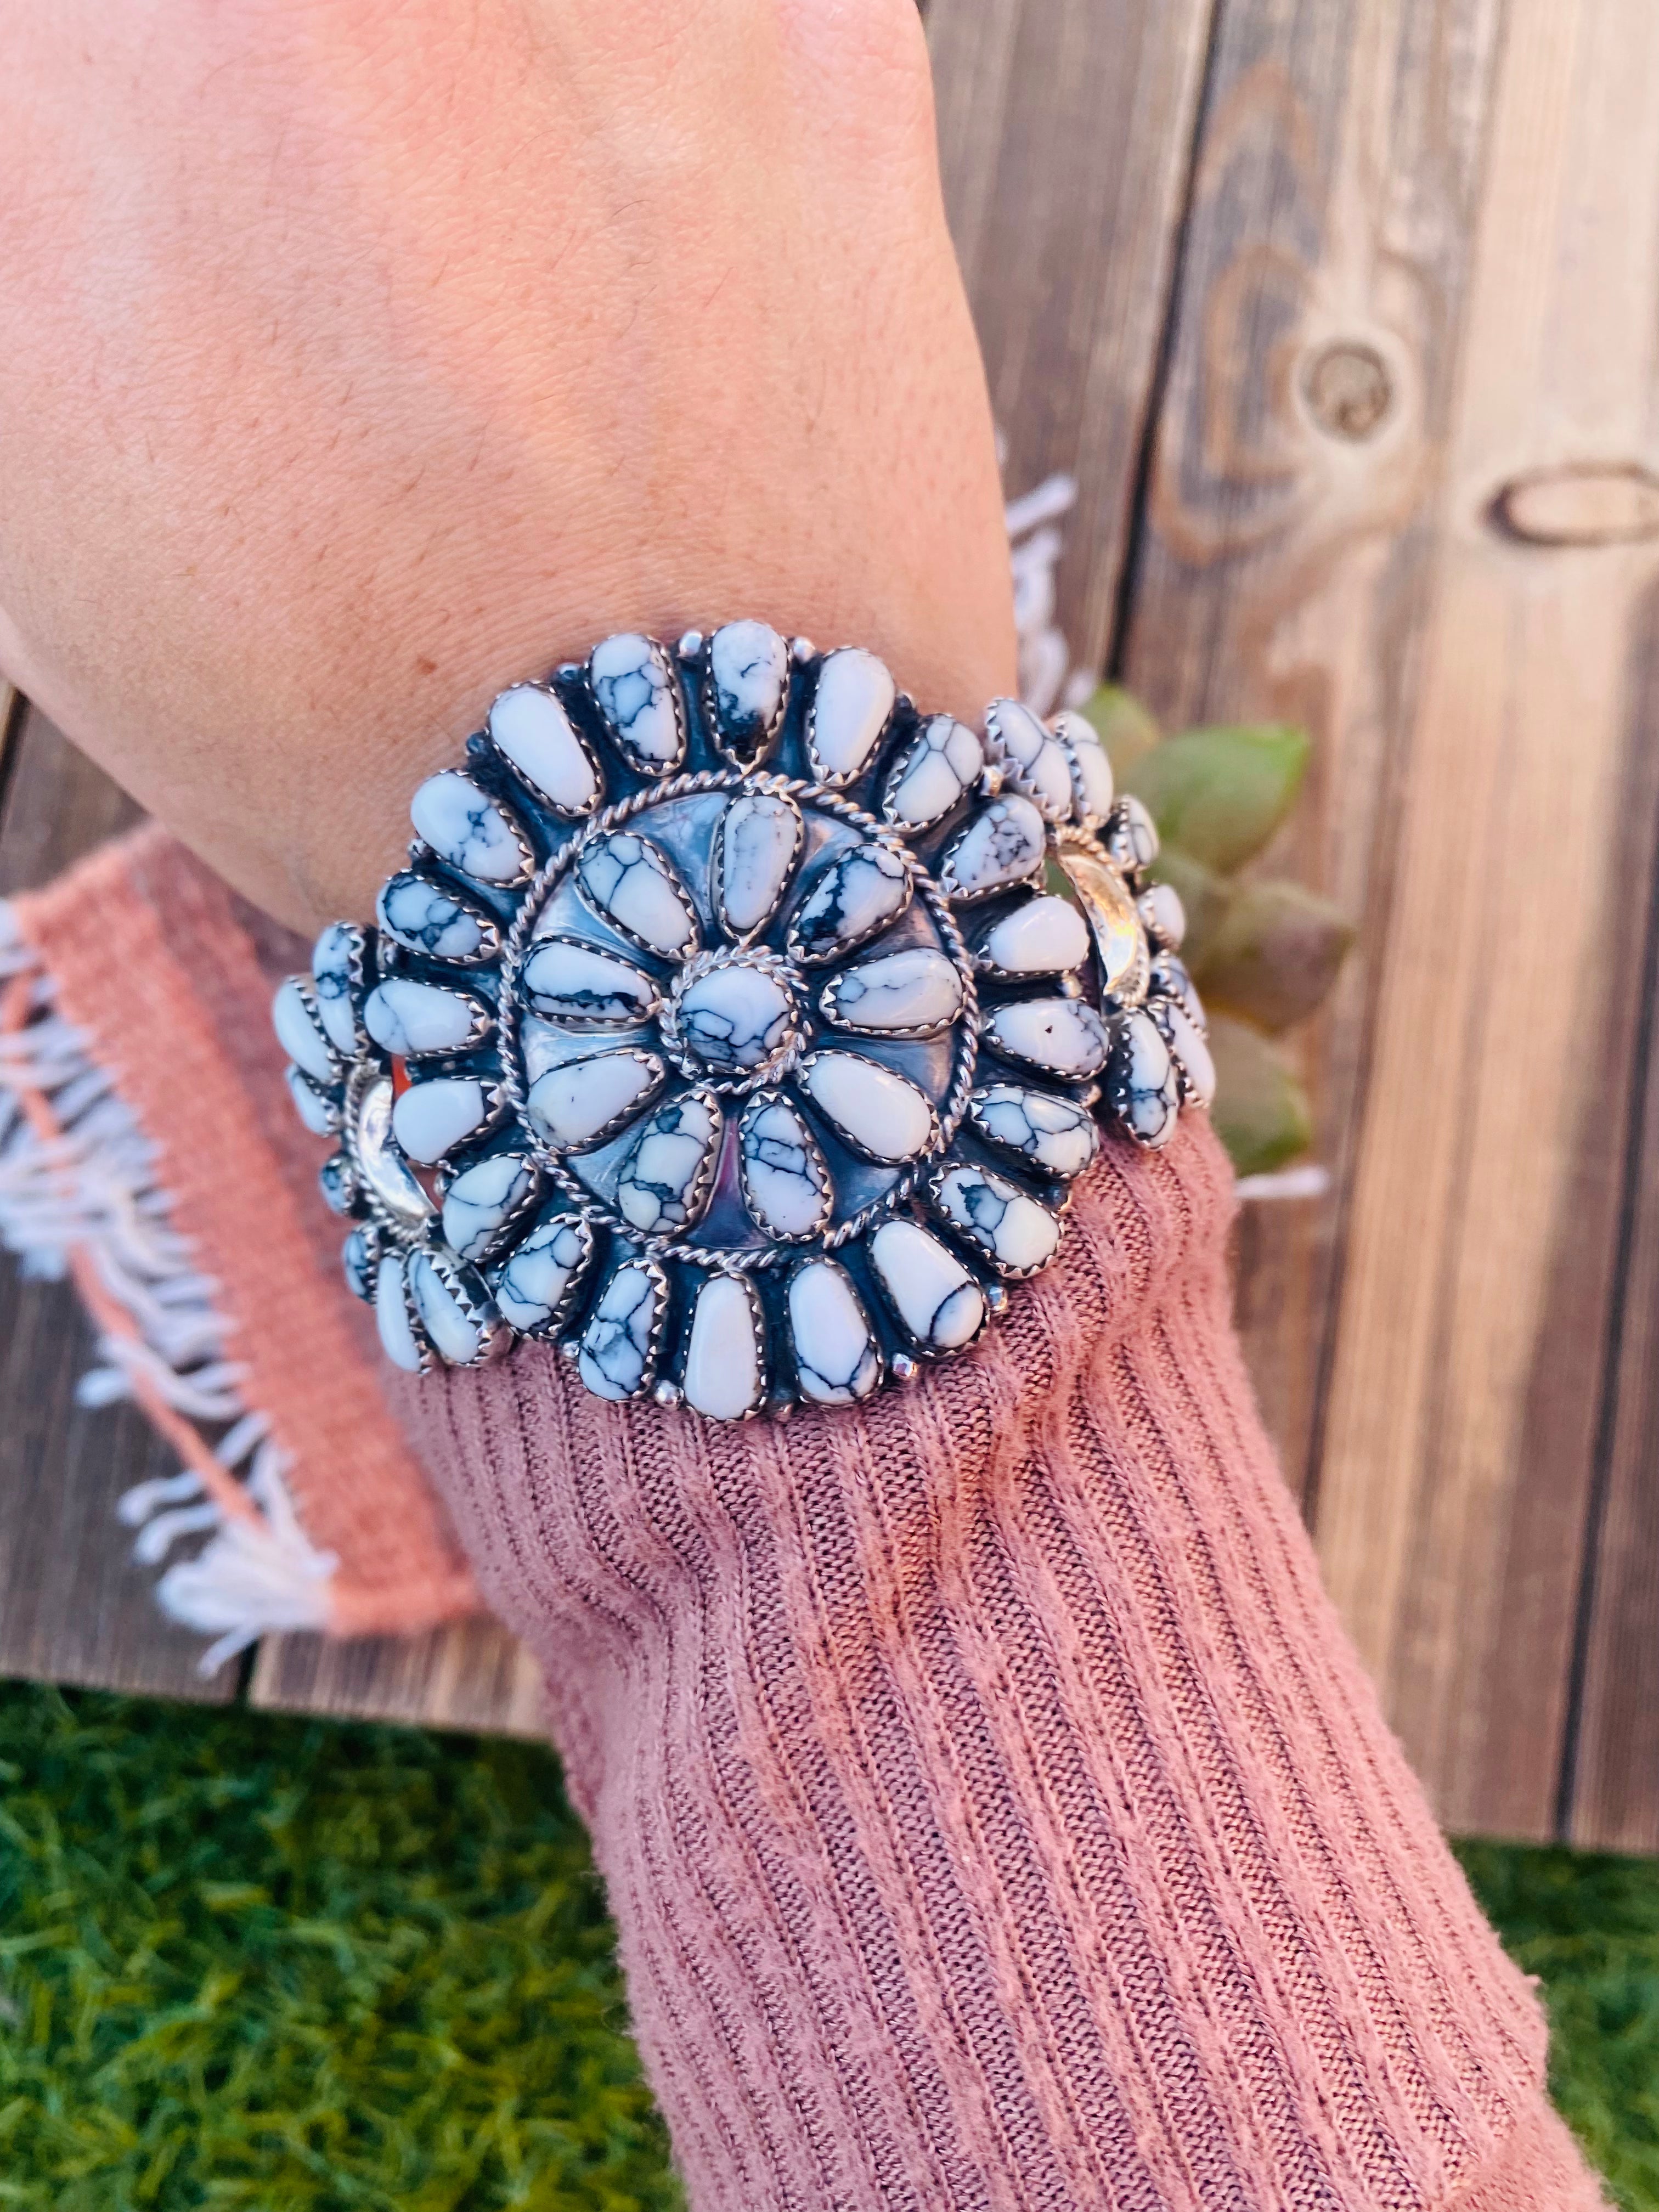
point(758, 843)
point(431, 918)
point(854, 697)
point(1092, 771)
point(567, 980)
point(385, 1171)
point(633, 680)
point(1129, 834)
point(1038, 1128)
point(748, 685)
point(724, 1375)
point(398, 1338)
point(914, 992)
point(584, 1101)
point(431, 1118)
point(1141, 1084)
point(483, 1202)
point(1033, 762)
point(837, 1359)
point(410, 1019)
point(940, 1305)
point(940, 765)
point(1064, 1037)
point(299, 1034)
point(1043, 937)
point(458, 1332)
point(317, 1111)
point(1017, 1235)
point(877, 1111)
point(1003, 845)
point(336, 968)
point(619, 1344)
point(359, 1261)
point(471, 830)
point(632, 882)
point(536, 1285)
point(530, 728)
point(784, 1176)
point(1165, 918)
point(666, 1178)
point(860, 894)
point(1191, 1049)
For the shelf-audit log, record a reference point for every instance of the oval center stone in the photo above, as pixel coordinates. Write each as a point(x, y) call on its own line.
point(736, 1017)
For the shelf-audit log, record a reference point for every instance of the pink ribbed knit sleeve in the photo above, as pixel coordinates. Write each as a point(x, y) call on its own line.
point(993, 1813)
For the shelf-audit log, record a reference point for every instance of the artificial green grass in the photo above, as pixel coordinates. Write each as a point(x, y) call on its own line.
point(253, 1962)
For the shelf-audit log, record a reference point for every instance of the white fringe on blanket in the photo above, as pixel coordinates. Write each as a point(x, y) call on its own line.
point(91, 1190)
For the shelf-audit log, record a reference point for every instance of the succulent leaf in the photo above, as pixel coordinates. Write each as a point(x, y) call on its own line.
point(1220, 794)
point(1127, 729)
point(1261, 1113)
point(1272, 953)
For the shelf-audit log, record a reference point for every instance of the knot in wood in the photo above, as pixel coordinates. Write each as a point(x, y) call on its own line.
point(1347, 388)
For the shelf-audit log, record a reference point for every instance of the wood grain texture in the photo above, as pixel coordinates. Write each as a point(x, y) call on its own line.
point(469, 1675)
point(1064, 134)
point(1458, 601)
point(75, 1606)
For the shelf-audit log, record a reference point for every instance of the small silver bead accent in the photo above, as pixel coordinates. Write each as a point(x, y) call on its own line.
point(996, 1297)
point(1069, 987)
point(990, 782)
point(570, 1348)
point(1090, 1098)
point(802, 648)
point(667, 1392)
point(782, 1409)
point(691, 644)
point(904, 1367)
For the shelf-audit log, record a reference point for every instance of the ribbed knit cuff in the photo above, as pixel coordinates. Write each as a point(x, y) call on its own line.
point(993, 1813)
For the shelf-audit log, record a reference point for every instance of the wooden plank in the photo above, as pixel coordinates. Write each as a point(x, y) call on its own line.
point(1422, 266)
point(74, 1605)
point(471, 1675)
point(1065, 129)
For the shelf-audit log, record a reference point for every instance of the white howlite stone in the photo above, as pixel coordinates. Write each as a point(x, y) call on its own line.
point(736, 1017)
point(454, 1334)
point(533, 1287)
point(854, 697)
point(398, 1338)
point(665, 1180)
point(384, 1170)
point(785, 1179)
point(633, 680)
point(1169, 979)
point(1002, 846)
point(633, 884)
point(1052, 1133)
point(1016, 1234)
point(1033, 761)
point(1165, 918)
point(941, 764)
point(917, 991)
point(1092, 771)
point(334, 957)
point(1188, 1042)
point(723, 1376)
point(1063, 1036)
point(567, 981)
point(1044, 937)
point(357, 1264)
point(338, 1184)
point(408, 1019)
point(837, 1360)
point(298, 1034)
point(1130, 835)
point(939, 1303)
point(749, 677)
point(318, 1114)
point(427, 917)
point(482, 1200)
point(760, 835)
point(1144, 1086)
point(620, 1338)
point(583, 1100)
point(529, 727)
point(880, 1112)
point(465, 826)
point(430, 1118)
point(860, 893)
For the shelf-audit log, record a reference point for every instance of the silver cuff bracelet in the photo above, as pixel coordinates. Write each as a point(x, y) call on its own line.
point(738, 1028)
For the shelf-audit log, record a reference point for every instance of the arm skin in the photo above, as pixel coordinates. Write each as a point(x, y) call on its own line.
point(363, 357)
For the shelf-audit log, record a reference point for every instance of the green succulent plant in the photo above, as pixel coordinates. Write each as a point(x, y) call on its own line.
point(1263, 951)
